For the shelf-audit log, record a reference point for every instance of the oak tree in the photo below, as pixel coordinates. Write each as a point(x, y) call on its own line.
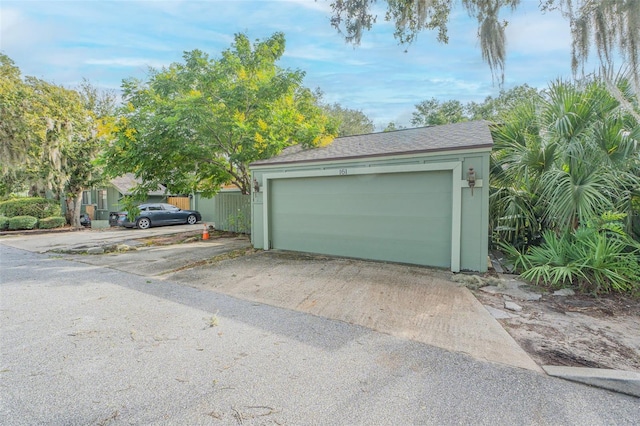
point(49, 138)
point(351, 121)
point(433, 112)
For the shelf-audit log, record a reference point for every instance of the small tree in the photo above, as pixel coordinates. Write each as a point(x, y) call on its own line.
point(350, 121)
point(198, 124)
point(433, 112)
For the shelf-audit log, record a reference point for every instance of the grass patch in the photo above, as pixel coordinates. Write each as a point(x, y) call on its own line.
point(233, 254)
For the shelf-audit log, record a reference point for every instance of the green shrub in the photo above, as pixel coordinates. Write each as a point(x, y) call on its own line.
point(31, 206)
point(52, 222)
point(22, 222)
point(4, 223)
point(591, 260)
point(238, 223)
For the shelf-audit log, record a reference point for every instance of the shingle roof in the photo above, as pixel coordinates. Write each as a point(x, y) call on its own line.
point(448, 137)
point(125, 184)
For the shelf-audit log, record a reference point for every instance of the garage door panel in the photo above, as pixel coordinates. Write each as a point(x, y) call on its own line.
point(402, 217)
point(372, 203)
point(405, 251)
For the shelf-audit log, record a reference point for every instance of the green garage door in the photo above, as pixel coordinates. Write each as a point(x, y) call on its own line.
point(399, 217)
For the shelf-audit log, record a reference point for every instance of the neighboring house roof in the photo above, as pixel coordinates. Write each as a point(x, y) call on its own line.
point(126, 183)
point(229, 187)
point(448, 137)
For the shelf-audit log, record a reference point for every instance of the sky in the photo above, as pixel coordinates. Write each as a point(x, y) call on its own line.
point(106, 41)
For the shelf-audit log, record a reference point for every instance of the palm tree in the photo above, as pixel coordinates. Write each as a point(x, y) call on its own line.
point(563, 159)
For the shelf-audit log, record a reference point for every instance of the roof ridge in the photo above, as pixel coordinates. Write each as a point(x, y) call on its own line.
point(446, 137)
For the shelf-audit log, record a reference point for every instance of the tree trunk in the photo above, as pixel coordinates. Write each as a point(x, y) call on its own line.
point(73, 203)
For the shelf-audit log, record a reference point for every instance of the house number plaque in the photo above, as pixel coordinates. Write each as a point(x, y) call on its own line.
point(342, 172)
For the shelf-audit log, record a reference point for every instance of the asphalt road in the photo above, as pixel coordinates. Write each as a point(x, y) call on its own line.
point(82, 344)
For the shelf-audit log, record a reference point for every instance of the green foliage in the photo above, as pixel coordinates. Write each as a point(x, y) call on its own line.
point(609, 221)
point(4, 223)
point(129, 203)
point(493, 109)
point(32, 206)
point(433, 112)
point(598, 258)
point(563, 159)
point(52, 222)
point(13, 182)
point(564, 173)
point(239, 222)
point(635, 203)
point(16, 133)
point(22, 222)
point(635, 218)
point(49, 136)
point(588, 259)
point(555, 262)
point(198, 124)
point(351, 121)
point(392, 126)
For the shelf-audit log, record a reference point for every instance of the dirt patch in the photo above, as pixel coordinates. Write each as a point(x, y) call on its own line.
point(215, 259)
point(185, 237)
point(576, 331)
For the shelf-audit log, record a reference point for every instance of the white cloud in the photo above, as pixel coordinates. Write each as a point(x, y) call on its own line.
point(310, 52)
point(320, 6)
point(535, 33)
point(18, 31)
point(127, 62)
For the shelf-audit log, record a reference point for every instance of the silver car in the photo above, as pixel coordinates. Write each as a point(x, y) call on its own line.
point(155, 214)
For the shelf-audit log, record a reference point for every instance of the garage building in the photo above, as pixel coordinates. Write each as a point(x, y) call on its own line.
point(417, 196)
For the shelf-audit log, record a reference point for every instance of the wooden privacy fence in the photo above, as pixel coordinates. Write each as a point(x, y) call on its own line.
point(181, 202)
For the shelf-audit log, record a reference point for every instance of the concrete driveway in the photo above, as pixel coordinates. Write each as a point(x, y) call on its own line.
point(409, 302)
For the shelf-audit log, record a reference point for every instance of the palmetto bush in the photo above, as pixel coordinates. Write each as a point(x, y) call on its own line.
point(560, 162)
point(562, 159)
point(599, 257)
point(585, 259)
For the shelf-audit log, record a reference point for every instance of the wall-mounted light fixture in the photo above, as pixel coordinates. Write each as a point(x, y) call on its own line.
point(471, 179)
point(256, 185)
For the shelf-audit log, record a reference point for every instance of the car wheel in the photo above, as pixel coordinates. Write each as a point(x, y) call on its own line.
point(143, 223)
point(192, 219)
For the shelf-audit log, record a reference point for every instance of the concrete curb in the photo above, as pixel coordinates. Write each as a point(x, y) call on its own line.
point(21, 232)
point(627, 382)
